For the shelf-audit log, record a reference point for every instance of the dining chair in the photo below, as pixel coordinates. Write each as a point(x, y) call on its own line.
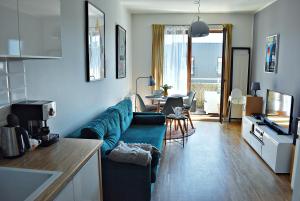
point(167, 110)
point(171, 103)
point(188, 105)
point(142, 107)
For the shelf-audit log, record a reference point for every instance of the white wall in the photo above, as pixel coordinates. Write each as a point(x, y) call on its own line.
point(142, 36)
point(64, 80)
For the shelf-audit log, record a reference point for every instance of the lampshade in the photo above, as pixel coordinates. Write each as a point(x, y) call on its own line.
point(255, 86)
point(199, 29)
point(151, 82)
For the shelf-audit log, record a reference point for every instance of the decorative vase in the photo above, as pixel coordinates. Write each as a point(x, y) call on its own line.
point(166, 92)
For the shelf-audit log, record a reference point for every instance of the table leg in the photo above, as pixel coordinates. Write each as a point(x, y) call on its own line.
point(180, 126)
point(187, 132)
point(167, 124)
point(176, 125)
point(189, 116)
point(171, 121)
point(185, 125)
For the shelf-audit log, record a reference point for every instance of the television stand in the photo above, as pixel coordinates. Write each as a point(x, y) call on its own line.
point(274, 149)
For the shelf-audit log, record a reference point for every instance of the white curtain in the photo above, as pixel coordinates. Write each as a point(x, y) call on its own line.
point(175, 58)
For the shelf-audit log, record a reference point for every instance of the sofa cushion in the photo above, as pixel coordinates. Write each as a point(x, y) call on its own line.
point(150, 134)
point(100, 126)
point(124, 109)
point(107, 127)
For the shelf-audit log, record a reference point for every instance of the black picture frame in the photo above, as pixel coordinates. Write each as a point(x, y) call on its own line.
point(120, 52)
point(95, 43)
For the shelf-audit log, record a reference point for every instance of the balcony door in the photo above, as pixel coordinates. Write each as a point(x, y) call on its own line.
point(205, 74)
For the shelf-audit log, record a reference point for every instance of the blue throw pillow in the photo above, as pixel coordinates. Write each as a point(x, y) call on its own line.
point(149, 119)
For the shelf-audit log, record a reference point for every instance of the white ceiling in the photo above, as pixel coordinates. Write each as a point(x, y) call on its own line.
point(187, 6)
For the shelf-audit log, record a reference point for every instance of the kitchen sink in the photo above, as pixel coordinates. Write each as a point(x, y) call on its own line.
point(18, 184)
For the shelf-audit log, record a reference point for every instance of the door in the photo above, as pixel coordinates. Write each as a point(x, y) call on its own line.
point(40, 28)
point(205, 72)
point(9, 34)
point(269, 151)
point(67, 194)
point(222, 77)
point(87, 181)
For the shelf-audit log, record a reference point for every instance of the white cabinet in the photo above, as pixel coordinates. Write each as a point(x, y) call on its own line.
point(30, 28)
point(86, 184)
point(40, 28)
point(9, 34)
point(255, 144)
point(86, 181)
point(269, 151)
point(247, 127)
point(67, 194)
point(274, 149)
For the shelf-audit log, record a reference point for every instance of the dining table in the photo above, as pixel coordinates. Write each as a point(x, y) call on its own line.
point(160, 99)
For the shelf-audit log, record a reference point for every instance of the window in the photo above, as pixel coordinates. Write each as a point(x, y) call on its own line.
point(219, 66)
point(192, 65)
point(175, 58)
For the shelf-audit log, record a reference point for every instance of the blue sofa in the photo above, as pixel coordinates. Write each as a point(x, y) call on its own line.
point(122, 181)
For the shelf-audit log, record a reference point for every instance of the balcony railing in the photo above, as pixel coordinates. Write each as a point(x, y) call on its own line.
point(200, 85)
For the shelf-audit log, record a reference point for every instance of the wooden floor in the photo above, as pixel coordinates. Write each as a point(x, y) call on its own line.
point(217, 165)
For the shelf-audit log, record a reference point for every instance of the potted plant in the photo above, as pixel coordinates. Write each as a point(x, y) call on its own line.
point(166, 88)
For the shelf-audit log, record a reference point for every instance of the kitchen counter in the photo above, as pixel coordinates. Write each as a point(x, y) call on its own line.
point(66, 156)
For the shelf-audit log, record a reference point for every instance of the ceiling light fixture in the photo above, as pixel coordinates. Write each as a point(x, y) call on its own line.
point(199, 28)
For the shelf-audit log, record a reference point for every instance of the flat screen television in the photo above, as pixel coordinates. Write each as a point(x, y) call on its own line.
point(279, 111)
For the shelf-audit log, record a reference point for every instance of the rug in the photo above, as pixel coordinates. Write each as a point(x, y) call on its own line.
point(177, 134)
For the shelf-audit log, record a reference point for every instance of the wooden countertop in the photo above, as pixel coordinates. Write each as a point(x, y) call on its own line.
point(66, 156)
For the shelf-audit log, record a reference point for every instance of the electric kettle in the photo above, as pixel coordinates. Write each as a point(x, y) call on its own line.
point(14, 140)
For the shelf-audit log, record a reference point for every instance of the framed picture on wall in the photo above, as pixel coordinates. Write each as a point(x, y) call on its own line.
point(95, 42)
point(120, 52)
point(272, 51)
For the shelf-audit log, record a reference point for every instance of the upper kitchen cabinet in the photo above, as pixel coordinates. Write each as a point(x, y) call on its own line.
point(40, 28)
point(9, 33)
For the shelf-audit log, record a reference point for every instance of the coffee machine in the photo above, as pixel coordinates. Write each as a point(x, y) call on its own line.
point(33, 115)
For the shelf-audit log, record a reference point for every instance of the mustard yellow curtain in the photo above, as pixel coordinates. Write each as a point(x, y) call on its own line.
point(227, 66)
point(158, 32)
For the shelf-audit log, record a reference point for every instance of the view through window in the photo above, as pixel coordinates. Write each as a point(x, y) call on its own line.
point(206, 72)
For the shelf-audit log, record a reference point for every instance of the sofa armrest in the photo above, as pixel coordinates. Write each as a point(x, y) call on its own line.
point(149, 119)
point(125, 182)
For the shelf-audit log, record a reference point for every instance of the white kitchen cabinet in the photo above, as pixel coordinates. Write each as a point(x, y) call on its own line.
point(40, 28)
point(9, 33)
point(30, 28)
point(86, 181)
point(85, 185)
point(67, 194)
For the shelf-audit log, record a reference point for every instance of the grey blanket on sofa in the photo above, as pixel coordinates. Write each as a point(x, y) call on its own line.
point(134, 153)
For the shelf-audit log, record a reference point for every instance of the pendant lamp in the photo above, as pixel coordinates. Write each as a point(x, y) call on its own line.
point(199, 28)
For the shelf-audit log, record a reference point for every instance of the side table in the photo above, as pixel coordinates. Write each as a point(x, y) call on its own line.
point(177, 119)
